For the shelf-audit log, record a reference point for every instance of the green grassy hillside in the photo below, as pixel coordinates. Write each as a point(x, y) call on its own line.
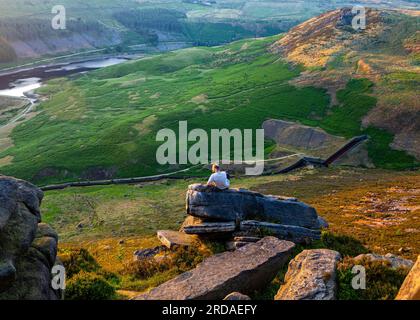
point(104, 123)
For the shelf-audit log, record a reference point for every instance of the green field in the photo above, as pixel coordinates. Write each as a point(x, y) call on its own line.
point(104, 123)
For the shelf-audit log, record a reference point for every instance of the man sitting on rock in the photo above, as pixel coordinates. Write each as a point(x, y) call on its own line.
point(219, 179)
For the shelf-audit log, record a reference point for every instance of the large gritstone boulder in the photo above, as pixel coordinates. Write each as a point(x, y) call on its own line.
point(410, 289)
point(239, 204)
point(311, 276)
point(28, 248)
point(245, 270)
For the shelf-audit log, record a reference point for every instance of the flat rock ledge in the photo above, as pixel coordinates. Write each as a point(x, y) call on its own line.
point(172, 239)
point(410, 289)
point(210, 227)
point(245, 270)
point(311, 276)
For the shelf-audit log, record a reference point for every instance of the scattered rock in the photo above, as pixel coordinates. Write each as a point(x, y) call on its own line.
point(245, 270)
point(237, 296)
point(240, 204)
point(172, 239)
point(395, 261)
point(311, 276)
point(148, 253)
point(291, 233)
point(410, 289)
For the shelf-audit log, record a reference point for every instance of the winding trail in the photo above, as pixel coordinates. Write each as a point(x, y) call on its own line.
point(22, 114)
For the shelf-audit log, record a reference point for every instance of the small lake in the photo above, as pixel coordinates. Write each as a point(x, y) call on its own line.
point(18, 83)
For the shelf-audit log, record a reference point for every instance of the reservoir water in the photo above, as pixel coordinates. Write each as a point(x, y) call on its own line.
point(19, 83)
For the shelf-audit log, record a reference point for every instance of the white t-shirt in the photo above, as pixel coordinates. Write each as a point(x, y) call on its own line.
point(219, 179)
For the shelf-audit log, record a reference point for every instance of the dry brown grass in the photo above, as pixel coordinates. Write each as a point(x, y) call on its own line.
point(379, 208)
point(6, 160)
point(113, 253)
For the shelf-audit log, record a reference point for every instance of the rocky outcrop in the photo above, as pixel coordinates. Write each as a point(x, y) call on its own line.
point(394, 261)
point(245, 270)
point(410, 289)
point(240, 204)
point(224, 213)
point(28, 248)
point(311, 276)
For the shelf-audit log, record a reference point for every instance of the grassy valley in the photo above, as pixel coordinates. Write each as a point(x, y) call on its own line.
point(108, 119)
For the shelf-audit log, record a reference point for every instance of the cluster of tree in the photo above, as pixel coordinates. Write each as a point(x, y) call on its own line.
point(158, 19)
point(148, 22)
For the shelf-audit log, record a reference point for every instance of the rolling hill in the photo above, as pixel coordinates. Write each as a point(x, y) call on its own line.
point(387, 53)
point(103, 124)
point(150, 26)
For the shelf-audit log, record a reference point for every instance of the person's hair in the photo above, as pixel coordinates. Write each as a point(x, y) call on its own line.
point(215, 167)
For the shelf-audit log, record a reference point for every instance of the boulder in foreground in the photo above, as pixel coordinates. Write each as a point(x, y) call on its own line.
point(410, 289)
point(28, 248)
point(311, 276)
point(245, 270)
